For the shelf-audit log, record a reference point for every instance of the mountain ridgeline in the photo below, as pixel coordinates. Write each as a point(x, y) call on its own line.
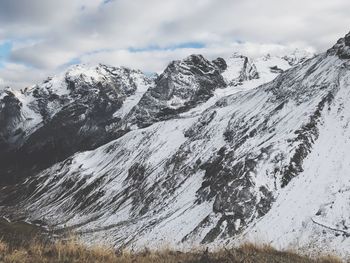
point(208, 152)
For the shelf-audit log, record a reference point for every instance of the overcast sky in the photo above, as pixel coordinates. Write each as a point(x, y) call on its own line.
point(41, 37)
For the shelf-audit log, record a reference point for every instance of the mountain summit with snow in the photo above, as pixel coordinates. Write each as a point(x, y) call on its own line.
point(209, 152)
point(71, 112)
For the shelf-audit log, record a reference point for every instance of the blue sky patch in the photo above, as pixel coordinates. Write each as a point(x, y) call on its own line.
point(196, 45)
point(73, 61)
point(5, 49)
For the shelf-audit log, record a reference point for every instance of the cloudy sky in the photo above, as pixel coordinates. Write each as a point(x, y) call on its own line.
point(41, 37)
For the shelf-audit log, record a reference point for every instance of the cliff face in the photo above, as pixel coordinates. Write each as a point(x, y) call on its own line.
point(183, 85)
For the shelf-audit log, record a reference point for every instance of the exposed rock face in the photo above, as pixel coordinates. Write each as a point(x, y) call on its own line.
point(10, 117)
point(341, 48)
point(239, 69)
point(220, 63)
point(182, 86)
point(201, 157)
point(276, 69)
point(248, 71)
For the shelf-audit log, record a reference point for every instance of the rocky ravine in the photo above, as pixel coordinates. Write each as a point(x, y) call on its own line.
point(206, 155)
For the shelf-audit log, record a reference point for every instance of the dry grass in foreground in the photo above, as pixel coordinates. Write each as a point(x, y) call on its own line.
point(72, 251)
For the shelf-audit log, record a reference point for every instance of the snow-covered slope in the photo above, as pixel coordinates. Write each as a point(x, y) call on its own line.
point(312, 211)
point(209, 154)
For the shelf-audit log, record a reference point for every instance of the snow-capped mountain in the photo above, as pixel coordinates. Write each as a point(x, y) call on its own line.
point(88, 106)
point(74, 111)
point(209, 152)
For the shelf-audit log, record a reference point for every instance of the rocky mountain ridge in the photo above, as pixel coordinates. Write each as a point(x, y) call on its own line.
point(96, 104)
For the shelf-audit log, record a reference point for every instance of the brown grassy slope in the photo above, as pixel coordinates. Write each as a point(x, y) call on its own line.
point(22, 242)
point(71, 251)
point(20, 233)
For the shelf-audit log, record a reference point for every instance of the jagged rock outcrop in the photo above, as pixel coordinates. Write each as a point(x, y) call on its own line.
point(276, 69)
point(341, 48)
point(239, 69)
point(183, 85)
point(10, 118)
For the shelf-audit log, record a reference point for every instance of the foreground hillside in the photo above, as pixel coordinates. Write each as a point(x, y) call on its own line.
point(21, 242)
point(74, 252)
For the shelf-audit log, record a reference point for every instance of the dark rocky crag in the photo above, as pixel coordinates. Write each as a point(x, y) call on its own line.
point(182, 86)
point(341, 48)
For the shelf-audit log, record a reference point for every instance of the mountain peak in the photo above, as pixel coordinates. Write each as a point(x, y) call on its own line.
point(183, 85)
point(298, 56)
point(195, 58)
point(341, 48)
point(239, 68)
point(197, 61)
point(220, 63)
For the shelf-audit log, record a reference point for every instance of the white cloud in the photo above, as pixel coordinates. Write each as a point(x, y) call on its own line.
point(19, 76)
point(48, 34)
